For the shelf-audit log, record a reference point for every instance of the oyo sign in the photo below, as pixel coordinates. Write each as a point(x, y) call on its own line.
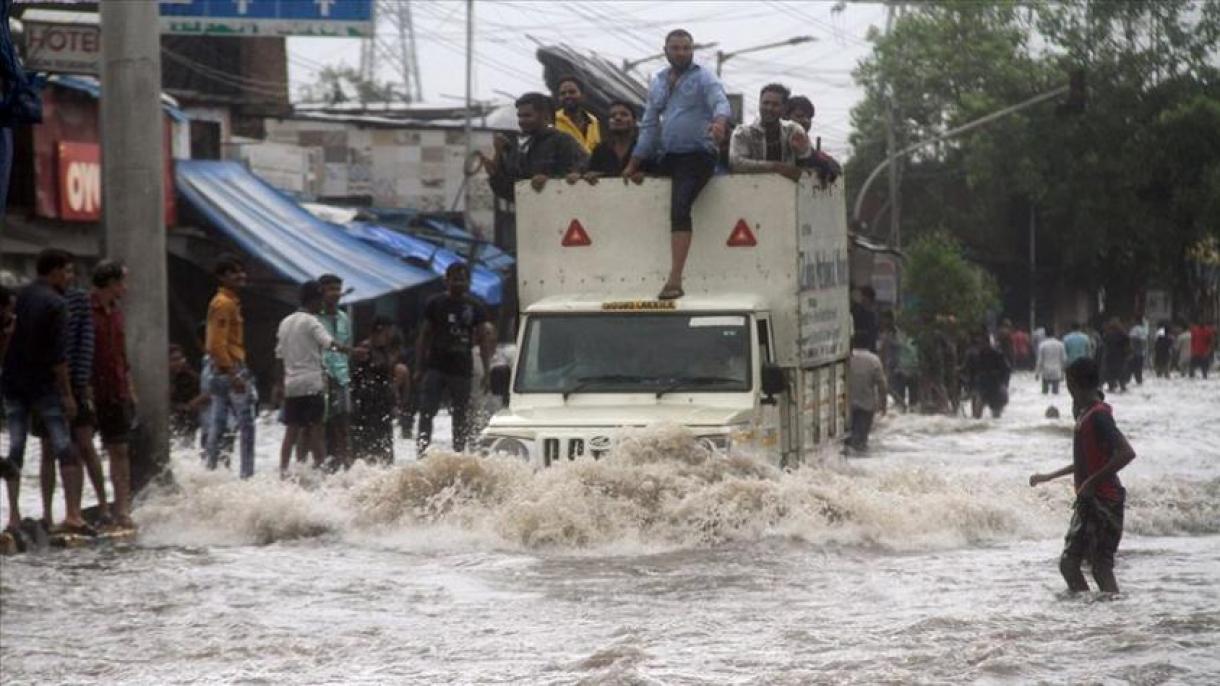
point(80, 182)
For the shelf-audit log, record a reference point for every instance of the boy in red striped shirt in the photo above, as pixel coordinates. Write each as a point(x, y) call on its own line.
point(1099, 451)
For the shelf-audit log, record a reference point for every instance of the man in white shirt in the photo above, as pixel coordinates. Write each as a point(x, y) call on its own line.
point(300, 342)
point(866, 389)
point(1052, 358)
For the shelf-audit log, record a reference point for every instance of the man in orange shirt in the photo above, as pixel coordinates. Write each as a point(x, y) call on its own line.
point(231, 386)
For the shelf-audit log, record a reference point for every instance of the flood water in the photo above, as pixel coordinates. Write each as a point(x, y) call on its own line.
point(932, 560)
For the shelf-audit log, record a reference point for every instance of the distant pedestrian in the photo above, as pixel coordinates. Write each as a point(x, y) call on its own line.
point(866, 389)
point(1162, 350)
point(1116, 348)
point(1099, 452)
point(374, 396)
point(864, 315)
point(1021, 355)
point(1139, 348)
point(338, 372)
point(36, 376)
point(8, 322)
point(454, 322)
point(1181, 349)
point(299, 345)
point(1202, 347)
point(986, 373)
point(231, 385)
point(113, 390)
point(1052, 360)
point(1077, 344)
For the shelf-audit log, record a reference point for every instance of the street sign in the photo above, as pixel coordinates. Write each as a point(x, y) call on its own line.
point(330, 18)
point(63, 48)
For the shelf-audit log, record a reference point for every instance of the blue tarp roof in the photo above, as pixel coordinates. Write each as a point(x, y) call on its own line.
point(281, 233)
point(447, 233)
point(90, 85)
point(484, 283)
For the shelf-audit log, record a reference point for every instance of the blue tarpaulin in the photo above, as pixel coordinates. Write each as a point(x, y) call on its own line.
point(446, 233)
point(484, 283)
point(290, 240)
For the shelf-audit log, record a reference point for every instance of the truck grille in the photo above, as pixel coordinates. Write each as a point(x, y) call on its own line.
point(570, 448)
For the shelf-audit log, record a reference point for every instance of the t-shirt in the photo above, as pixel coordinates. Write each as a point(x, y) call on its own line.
point(1201, 339)
point(1094, 441)
point(38, 344)
point(299, 343)
point(1052, 359)
point(1077, 345)
point(340, 328)
point(453, 321)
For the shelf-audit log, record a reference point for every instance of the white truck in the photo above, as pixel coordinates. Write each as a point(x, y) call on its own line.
point(753, 358)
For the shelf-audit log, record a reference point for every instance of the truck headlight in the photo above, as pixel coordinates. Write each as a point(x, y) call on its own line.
point(505, 445)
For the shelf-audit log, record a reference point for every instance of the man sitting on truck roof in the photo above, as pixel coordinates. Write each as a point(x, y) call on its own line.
point(612, 155)
point(770, 144)
point(685, 119)
point(800, 110)
point(540, 152)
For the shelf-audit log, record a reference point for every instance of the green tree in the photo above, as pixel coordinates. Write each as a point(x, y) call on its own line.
point(941, 282)
point(1119, 190)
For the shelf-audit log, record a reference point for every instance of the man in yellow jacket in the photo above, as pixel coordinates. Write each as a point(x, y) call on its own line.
point(572, 118)
point(230, 385)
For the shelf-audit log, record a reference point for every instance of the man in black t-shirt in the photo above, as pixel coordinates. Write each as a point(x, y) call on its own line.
point(454, 321)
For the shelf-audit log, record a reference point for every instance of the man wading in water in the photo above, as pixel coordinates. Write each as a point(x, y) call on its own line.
point(1099, 451)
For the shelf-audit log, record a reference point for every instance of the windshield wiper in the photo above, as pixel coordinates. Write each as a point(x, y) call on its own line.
point(696, 381)
point(586, 381)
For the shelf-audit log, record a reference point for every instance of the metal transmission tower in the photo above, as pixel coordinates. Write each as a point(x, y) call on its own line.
point(396, 46)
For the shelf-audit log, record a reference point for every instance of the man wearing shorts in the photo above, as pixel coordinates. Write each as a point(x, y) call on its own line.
point(36, 379)
point(113, 392)
point(1099, 451)
point(300, 341)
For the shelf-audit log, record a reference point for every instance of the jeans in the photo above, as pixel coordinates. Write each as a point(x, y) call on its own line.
point(243, 405)
point(435, 384)
point(1051, 385)
point(51, 410)
point(690, 172)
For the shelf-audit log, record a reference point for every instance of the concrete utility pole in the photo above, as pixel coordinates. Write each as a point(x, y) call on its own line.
point(469, 104)
point(891, 146)
point(133, 211)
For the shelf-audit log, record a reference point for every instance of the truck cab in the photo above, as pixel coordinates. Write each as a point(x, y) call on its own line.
point(753, 358)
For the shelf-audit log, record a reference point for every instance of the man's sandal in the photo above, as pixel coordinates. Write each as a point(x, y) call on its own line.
point(671, 293)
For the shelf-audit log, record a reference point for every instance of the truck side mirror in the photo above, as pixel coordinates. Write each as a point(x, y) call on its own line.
point(500, 377)
point(774, 381)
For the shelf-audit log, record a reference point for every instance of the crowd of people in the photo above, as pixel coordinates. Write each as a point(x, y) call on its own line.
point(685, 132)
point(66, 379)
point(949, 369)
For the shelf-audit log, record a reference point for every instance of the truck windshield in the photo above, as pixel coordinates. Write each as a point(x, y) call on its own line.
point(635, 353)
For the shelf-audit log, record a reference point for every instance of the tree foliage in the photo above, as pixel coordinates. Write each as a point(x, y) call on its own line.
point(345, 84)
point(941, 282)
point(1119, 190)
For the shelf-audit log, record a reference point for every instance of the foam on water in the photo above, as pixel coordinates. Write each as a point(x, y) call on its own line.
point(659, 490)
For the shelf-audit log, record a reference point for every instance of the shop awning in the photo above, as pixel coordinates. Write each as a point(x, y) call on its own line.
point(484, 283)
point(279, 232)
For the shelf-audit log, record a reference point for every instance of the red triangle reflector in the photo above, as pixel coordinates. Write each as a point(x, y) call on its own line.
point(576, 235)
point(742, 236)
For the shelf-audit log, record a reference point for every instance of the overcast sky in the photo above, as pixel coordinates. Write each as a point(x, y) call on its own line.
point(505, 62)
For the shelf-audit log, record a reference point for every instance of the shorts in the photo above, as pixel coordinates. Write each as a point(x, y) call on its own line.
point(304, 410)
point(1096, 529)
point(114, 420)
point(86, 415)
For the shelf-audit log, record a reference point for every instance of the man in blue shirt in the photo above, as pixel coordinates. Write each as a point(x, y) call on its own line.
point(685, 120)
point(1077, 344)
